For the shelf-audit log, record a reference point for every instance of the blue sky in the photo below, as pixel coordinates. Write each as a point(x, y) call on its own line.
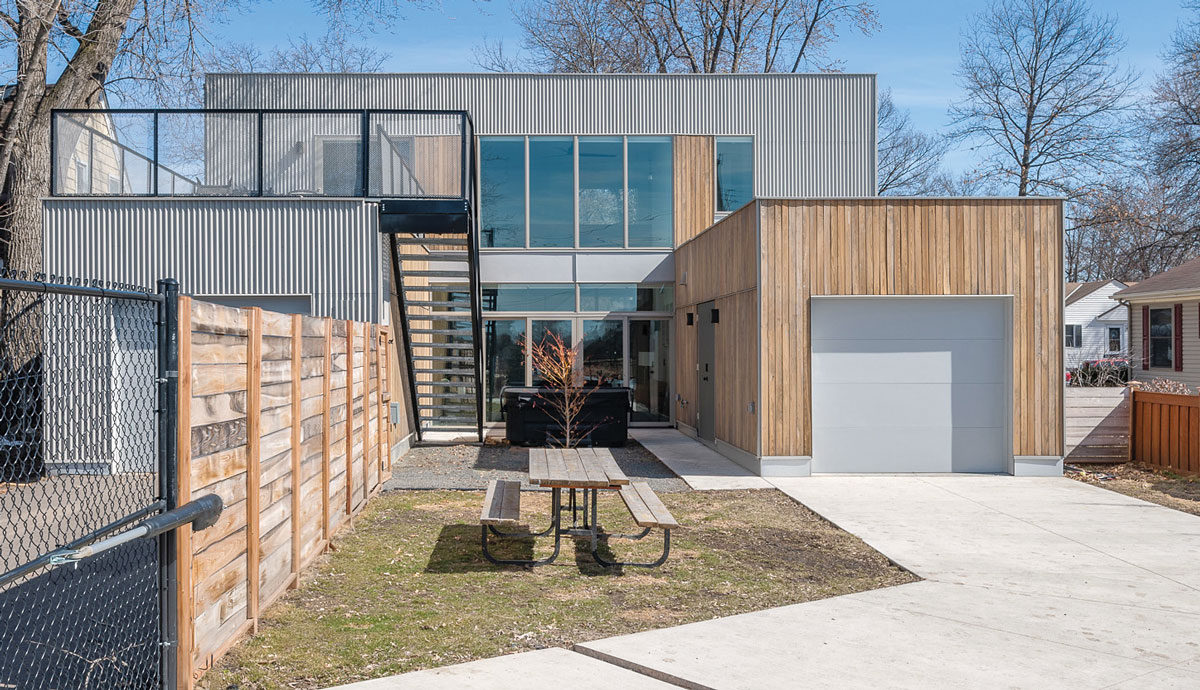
point(915, 52)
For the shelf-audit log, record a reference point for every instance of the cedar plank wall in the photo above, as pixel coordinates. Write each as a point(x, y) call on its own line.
point(721, 265)
point(252, 450)
point(695, 186)
point(912, 247)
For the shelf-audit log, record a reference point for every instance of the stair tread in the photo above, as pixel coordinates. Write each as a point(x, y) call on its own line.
point(435, 273)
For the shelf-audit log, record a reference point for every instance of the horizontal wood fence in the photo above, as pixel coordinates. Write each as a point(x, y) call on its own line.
point(1166, 431)
point(1096, 424)
point(284, 417)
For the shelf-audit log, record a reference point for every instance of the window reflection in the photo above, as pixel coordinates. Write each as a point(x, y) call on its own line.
point(502, 192)
point(601, 192)
point(735, 173)
point(650, 192)
point(551, 192)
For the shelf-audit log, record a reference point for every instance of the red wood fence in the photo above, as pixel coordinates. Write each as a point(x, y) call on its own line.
point(1165, 430)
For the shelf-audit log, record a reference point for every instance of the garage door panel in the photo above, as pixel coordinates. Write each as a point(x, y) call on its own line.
point(914, 404)
point(906, 318)
point(979, 450)
point(908, 361)
point(910, 385)
point(858, 449)
point(863, 404)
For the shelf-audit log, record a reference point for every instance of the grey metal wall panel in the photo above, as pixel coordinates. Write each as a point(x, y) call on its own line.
point(815, 133)
point(328, 248)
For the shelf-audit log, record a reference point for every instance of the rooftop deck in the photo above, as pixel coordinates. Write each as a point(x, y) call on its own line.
point(411, 154)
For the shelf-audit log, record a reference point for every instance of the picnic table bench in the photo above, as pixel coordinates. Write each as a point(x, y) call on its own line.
point(584, 472)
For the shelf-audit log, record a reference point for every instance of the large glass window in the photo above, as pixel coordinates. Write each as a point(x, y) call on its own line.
point(505, 360)
point(735, 173)
point(604, 352)
point(601, 192)
point(541, 332)
point(502, 192)
point(582, 191)
point(1161, 338)
point(607, 296)
point(650, 192)
point(551, 192)
point(656, 298)
point(649, 367)
point(533, 297)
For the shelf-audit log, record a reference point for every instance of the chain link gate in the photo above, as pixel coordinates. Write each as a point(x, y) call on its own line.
point(87, 475)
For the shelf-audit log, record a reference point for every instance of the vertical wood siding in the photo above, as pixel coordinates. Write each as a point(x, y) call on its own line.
point(721, 265)
point(912, 247)
point(264, 401)
point(695, 186)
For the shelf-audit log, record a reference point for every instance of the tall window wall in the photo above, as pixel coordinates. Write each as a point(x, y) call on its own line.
point(576, 192)
point(624, 330)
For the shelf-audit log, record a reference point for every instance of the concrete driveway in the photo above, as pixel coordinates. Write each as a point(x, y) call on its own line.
point(1029, 583)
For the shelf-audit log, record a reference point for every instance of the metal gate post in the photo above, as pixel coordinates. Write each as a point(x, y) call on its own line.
point(168, 467)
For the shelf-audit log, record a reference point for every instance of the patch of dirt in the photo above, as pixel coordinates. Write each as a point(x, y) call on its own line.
point(408, 588)
point(1164, 488)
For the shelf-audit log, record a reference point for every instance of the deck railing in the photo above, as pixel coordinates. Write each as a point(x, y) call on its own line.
point(267, 153)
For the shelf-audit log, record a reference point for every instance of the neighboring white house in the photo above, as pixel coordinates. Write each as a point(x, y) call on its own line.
point(1095, 326)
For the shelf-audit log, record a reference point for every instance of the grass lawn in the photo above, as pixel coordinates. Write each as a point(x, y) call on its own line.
point(1164, 488)
point(408, 589)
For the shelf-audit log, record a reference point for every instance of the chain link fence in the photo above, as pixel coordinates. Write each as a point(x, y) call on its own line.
point(79, 449)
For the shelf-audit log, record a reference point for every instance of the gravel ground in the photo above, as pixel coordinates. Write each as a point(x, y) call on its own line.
point(470, 466)
point(1164, 488)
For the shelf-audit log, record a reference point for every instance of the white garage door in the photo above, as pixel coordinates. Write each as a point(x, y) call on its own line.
point(910, 385)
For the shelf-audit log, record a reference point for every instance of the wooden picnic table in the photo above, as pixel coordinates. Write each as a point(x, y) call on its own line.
point(575, 468)
point(584, 472)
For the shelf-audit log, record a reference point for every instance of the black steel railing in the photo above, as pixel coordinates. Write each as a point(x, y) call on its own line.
point(423, 154)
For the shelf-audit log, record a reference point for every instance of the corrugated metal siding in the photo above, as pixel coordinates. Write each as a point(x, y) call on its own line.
point(328, 248)
point(815, 133)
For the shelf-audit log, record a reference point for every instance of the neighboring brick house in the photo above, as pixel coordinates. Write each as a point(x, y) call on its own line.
point(1165, 325)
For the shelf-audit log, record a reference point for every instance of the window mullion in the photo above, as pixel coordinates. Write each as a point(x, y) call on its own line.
point(625, 190)
point(527, 195)
point(575, 193)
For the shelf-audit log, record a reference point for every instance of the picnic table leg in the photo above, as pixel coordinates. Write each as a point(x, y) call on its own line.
point(661, 559)
point(555, 523)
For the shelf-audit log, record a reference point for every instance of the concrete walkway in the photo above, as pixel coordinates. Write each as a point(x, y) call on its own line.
point(701, 467)
point(1029, 583)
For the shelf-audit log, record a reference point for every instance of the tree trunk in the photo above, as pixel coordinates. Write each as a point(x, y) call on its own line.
point(29, 181)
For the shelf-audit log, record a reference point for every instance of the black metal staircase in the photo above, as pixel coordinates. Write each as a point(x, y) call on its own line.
point(437, 287)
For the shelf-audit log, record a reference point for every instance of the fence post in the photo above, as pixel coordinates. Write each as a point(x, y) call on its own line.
point(326, 446)
point(297, 344)
point(169, 479)
point(349, 417)
point(253, 469)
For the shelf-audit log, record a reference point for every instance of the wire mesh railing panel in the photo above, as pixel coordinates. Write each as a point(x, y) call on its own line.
point(78, 462)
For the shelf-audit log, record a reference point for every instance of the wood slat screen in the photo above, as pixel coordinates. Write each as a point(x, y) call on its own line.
point(263, 424)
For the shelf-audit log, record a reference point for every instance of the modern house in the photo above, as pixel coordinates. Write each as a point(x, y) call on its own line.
point(1094, 326)
point(1165, 325)
point(710, 241)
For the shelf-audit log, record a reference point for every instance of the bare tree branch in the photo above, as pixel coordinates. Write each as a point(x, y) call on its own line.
point(1045, 95)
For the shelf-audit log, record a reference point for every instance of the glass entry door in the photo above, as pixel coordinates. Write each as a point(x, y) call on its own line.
point(616, 351)
point(649, 369)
